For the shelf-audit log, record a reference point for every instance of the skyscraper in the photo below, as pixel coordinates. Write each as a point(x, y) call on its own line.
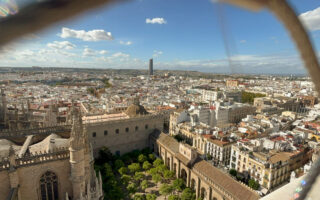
point(151, 67)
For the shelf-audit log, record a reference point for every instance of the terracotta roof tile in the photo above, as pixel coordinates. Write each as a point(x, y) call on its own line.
point(169, 142)
point(234, 188)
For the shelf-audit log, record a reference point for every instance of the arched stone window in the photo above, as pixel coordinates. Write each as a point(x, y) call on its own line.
point(203, 193)
point(184, 175)
point(193, 184)
point(168, 163)
point(49, 186)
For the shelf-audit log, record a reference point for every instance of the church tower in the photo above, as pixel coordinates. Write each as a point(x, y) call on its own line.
point(85, 184)
point(77, 147)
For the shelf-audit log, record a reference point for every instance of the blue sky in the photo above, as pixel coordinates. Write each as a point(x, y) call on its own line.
point(180, 34)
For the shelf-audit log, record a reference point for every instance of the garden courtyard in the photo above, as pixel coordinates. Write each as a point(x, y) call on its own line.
point(139, 175)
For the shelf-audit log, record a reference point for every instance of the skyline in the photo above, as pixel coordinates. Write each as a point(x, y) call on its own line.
point(173, 34)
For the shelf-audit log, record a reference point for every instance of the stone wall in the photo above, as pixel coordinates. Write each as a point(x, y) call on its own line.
point(122, 136)
point(29, 177)
point(4, 184)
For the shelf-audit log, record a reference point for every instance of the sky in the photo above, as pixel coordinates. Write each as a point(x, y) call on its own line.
point(177, 34)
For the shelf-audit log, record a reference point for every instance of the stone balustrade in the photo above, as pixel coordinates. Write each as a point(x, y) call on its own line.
point(36, 158)
point(36, 131)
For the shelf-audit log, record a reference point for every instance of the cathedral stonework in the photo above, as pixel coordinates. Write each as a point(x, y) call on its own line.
point(57, 162)
point(54, 168)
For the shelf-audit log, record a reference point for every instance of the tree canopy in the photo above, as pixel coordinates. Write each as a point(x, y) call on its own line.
point(188, 194)
point(248, 97)
point(253, 184)
point(134, 167)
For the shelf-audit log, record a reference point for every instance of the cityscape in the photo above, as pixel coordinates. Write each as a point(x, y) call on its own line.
point(81, 120)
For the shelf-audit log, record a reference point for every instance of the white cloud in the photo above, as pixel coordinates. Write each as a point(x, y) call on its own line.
point(243, 41)
point(157, 53)
point(103, 52)
point(61, 45)
point(157, 20)
point(125, 43)
point(120, 55)
point(311, 19)
point(93, 35)
point(87, 52)
point(27, 53)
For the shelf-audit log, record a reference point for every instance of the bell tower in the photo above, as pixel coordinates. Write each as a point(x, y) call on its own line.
point(85, 184)
point(77, 158)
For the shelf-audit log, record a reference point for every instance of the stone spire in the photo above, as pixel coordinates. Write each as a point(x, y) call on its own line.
point(85, 184)
point(77, 140)
point(77, 155)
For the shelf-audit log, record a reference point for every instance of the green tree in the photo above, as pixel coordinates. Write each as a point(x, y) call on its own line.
point(157, 162)
point(142, 158)
point(168, 174)
point(146, 151)
point(91, 91)
point(173, 197)
point(233, 172)
point(105, 155)
point(123, 170)
point(151, 197)
point(134, 167)
point(152, 157)
point(178, 184)
point(118, 164)
point(161, 168)
point(153, 171)
point(139, 197)
point(108, 170)
point(138, 176)
point(146, 165)
point(106, 82)
point(248, 97)
point(132, 188)
point(156, 178)
point(114, 193)
point(134, 154)
point(209, 157)
point(126, 159)
point(144, 184)
point(240, 178)
point(253, 184)
point(125, 179)
point(166, 189)
point(187, 194)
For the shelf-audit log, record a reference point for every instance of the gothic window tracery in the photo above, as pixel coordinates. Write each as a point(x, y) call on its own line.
point(49, 186)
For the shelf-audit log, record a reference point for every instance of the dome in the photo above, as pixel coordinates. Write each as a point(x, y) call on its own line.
point(136, 109)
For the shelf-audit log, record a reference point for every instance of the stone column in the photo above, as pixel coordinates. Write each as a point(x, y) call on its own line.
point(171, 165)
point(189, 178)
point(198, 188)
point(165, 158)
point(179, 166)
